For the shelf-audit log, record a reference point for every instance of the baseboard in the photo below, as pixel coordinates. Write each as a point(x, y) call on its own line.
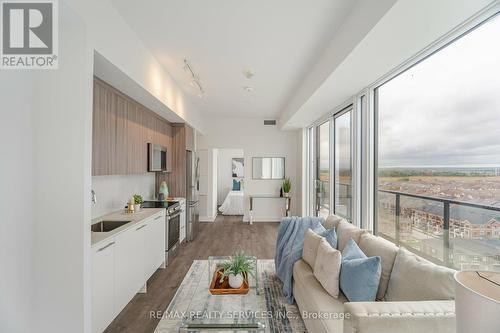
point(263, 219)
point(208, 218)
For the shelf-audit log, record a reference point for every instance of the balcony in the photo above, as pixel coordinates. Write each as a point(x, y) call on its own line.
point(462, 235)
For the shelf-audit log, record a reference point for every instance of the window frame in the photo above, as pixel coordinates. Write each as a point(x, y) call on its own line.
point(460, 31)
point(365, 126)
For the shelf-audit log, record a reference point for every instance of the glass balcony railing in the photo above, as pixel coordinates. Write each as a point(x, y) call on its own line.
point(462, 235)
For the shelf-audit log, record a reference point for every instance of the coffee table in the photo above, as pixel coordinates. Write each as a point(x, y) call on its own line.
point(207, 312)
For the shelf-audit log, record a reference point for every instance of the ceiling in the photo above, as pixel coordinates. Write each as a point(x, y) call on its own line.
point(278, 40)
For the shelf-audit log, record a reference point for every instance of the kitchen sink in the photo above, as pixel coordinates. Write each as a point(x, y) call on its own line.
point(106, 226)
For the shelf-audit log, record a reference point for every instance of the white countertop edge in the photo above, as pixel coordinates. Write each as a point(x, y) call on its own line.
point(136, 218)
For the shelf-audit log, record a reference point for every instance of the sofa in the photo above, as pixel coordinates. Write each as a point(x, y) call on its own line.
point(414, 295)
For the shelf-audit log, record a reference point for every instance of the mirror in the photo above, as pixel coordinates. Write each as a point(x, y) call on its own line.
point(268, 168)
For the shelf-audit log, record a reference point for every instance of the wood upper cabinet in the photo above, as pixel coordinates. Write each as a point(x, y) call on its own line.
point(122, 128)
point(189, 138)
point(122, 137)
point(103, 131)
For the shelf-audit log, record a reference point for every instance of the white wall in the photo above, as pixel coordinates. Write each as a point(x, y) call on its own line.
point(257, 140)
point(224, 172)
point(113, 192)
point(208, 184)
point(375, 39)
point(18, 218)
point(113, 38)
point(45, 170)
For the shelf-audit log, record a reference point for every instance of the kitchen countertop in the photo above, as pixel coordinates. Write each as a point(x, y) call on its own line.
point(145, 213)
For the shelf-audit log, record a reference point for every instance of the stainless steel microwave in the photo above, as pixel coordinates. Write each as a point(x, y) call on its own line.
point(157, 158)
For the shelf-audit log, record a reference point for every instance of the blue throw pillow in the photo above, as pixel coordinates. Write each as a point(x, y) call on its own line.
point(329, 234)
point(236, 185)
point(359, 275)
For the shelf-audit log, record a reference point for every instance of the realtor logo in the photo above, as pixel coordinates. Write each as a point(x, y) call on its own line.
point(29, 34)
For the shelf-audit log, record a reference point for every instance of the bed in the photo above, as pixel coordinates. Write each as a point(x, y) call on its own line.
point(233, 204)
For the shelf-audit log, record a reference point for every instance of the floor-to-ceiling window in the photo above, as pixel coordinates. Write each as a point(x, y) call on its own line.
point(330, 146)
point(438, 153)
point(343, 164)
point(323, 170)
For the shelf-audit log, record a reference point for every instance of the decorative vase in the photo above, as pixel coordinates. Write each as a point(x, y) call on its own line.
point(163, 191)
point(287, 194)
point(137, 207)
point(235, 281)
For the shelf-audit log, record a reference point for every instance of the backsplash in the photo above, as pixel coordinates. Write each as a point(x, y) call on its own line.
point(113, 192)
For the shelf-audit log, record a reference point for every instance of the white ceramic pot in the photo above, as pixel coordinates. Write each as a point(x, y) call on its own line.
point(235, 281)
point(137, 208)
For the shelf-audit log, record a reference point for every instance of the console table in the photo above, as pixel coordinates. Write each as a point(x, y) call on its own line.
point(288, 201)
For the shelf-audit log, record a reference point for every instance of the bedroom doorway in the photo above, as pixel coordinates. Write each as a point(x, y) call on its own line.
point(230, 182)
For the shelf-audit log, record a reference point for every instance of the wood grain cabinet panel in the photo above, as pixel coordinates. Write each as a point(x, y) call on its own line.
point(122, 128)
point(103, 131)
point(136, 156)
point(122, 150)
point(189, 138)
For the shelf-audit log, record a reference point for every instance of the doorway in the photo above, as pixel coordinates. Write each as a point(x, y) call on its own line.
point(230, 181)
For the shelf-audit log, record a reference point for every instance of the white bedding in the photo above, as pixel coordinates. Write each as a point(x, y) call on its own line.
point(233, 204)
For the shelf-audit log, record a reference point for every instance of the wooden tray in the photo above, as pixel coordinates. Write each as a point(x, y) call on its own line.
point(217, 288)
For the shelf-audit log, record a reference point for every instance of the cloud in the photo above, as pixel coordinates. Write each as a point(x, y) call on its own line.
point(446, 109)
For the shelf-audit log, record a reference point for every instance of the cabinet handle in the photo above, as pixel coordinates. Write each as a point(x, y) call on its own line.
point(105, 247)
point(142, 226)
point(158, 217)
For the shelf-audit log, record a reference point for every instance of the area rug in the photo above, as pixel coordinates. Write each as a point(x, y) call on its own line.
point(284, 317)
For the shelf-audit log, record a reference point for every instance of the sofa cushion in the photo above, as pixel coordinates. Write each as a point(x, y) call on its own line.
point(400, 317)
point(387, 251)
point(360, 275)
point(311, 243)
point(313, 300)
point(332, 221)
point(416, 279)
point(330, 236)
point(327, 267)
point(346, 231)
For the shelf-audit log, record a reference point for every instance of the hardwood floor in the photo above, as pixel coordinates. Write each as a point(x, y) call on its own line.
point(223, 237)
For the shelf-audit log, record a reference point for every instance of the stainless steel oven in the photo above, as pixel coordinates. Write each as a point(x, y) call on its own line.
point(173, 231)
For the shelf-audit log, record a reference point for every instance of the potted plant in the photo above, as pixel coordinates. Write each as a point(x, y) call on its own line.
point(138, 201)
point(286, 186)
point(237, 269)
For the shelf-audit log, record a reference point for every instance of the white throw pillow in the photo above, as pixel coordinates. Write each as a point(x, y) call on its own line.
point(346, 231)
point(377, 246)
point(332, 221)
point(327, 267)
point(311, 243)
point(415, 279)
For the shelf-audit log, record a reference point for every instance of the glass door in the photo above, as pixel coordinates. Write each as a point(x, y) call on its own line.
point(323, 170)
point(343, 164)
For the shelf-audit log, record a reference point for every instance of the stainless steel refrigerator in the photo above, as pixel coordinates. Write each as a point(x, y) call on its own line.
point(192, 187)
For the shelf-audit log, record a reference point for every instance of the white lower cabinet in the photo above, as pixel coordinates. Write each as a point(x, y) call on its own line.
point(130, 274)
point(154, 244)
point(122, 266)
point(103, 282)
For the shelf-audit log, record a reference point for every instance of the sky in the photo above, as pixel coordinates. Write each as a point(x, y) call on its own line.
point(445, 111)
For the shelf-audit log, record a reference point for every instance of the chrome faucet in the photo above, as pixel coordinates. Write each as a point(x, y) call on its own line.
point(94, 197)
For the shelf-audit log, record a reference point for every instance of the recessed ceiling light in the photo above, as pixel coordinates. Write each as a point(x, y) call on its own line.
point(248, 89)
point(248, 73)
